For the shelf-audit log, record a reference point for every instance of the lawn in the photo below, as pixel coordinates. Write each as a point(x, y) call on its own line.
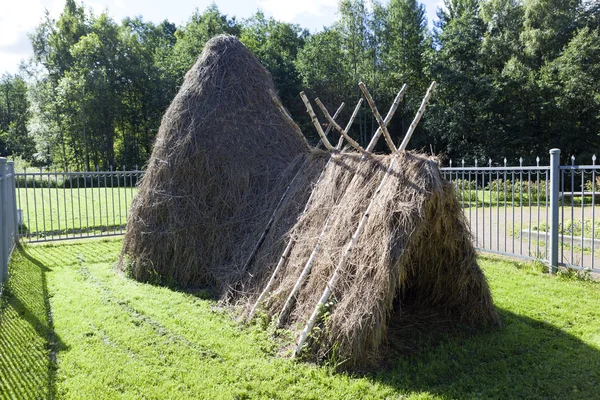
point(72, 327)
point(57, 212)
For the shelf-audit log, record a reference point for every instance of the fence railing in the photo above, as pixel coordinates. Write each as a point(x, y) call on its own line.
point(8, 216)
point(541, 212)
point(69, 205)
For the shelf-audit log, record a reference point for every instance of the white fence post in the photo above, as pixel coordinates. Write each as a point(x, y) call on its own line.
point(554, 206)
point(3, 223)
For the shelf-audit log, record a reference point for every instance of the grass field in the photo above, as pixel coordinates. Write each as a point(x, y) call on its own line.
point(56, 212)
point(71, 327)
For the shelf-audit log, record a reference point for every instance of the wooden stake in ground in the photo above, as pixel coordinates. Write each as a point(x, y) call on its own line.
point(308, 266)
point(288, 248)
point(334, 278)
point(272, 219)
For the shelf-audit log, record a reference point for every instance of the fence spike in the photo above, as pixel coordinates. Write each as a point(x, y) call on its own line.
point(450, 163)
point(476, 163)
point(490, 162)
point(505, 161)
point(594, 159)
point(520, 161)
point(463, 162)
point(537, 160)
point(573, 160)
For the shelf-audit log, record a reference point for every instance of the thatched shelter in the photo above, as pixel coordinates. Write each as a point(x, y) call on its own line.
point(339, 240)
point(223, 154)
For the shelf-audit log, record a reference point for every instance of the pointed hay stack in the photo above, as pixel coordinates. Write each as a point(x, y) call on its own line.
point(222, 156)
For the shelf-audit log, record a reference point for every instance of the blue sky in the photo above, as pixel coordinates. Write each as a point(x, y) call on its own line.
point(18, 17)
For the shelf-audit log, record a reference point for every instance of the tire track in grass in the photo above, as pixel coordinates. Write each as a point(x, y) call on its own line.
point(162, 331)
point(111, 356)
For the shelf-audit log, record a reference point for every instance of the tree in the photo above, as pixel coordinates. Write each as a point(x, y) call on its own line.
point(14, 114)
point(276, 45)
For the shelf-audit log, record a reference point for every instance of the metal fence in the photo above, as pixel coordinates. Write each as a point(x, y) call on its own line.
point(8, 216)
point(68, 205)
point(541, 212)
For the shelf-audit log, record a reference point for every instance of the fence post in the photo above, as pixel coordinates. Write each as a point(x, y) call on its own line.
point(3, 224)
point(554, 205)
point(13, 194)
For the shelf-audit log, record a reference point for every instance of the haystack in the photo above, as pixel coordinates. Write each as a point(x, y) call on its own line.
point(223, 155)
point(333, 245)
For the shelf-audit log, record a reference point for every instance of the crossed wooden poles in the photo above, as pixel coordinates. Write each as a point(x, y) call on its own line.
point(382, 130)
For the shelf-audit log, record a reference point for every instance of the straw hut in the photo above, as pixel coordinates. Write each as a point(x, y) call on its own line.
point(332, 244)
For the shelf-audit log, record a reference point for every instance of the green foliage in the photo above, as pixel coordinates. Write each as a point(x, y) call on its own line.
point(515, 77)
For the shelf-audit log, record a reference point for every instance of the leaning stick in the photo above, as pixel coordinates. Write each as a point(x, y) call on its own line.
point(272, 219)
point(413, 125)
point(336, 274)
point(288, 248)
point(388, 117)
point(287, 116)
point(380, 122)
point(352, 142)
point(308, 266)
point(337, 112)
point(315, 122)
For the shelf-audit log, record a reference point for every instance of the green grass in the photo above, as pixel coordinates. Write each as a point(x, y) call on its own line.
point(54, 212)
point(111, 337)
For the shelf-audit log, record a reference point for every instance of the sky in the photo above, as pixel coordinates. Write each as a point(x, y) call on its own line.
point(19, 17)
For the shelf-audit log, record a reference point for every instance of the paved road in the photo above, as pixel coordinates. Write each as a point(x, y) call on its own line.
point(499, 229)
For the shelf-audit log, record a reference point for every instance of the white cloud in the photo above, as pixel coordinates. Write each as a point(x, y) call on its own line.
point(289, 11)
point(17, 18)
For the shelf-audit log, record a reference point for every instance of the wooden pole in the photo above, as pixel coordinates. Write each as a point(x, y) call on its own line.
point(415, 122)
point(380, 121)
point(289, 119)
point(315, 122)
point(308, 266)
point(346, 255)
point(387, 119)
point(272, 219)
point(352, 142)
point(329, 127)
point(288, 248)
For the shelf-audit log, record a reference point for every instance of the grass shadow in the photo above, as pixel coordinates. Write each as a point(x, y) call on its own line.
point(28, 342)
point(526, 358)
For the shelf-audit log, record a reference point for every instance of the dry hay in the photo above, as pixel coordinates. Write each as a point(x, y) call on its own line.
point(223, 155)
point(415, 249)
point(223, 158)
